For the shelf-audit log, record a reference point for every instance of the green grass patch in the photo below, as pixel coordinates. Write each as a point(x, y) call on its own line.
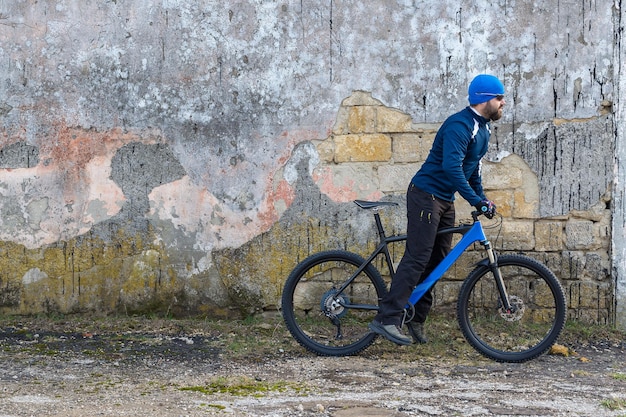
point(255, 338)
point(244, 387)
point(576, 332)
point(614, 404)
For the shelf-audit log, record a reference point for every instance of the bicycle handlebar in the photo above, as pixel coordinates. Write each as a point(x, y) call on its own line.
point(476, 214)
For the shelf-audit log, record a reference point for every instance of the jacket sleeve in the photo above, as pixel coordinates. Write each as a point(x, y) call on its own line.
point(456, 140)
point(476, 183)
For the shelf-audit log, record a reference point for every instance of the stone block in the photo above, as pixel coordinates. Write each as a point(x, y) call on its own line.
point(411, 147)
point(463, 209)
point(589, 295)
point(445, 296)
point(362, 119)
point(598, 266)
point(392, 121)
point(499, 175)
point(579, 265)
point(552, 260)
point(518, 235)
point(549, 236)
point(523, 206)
point(573, 265)
point(362, 148)
point(580, 235)
point(465, 264)
point(426, 128)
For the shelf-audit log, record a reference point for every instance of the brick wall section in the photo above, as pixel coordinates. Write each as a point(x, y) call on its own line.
point(385, 148)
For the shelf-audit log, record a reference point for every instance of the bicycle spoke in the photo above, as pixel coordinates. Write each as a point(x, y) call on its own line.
point(532, 324)
point(323, 320)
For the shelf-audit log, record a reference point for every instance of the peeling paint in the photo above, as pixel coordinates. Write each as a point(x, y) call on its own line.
point(153, 155)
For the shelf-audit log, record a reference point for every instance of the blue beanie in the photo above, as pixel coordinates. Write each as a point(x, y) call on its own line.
point(483, 88)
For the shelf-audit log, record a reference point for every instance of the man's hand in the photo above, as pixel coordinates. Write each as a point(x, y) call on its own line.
point(487, 208)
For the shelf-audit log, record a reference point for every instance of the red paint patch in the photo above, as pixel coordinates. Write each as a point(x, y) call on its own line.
point(340, 194)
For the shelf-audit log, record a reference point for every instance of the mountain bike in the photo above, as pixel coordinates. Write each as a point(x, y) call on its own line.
point(510, 308)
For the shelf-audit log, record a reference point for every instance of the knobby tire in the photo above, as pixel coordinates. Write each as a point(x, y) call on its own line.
point(530, 328)
point(317, 316)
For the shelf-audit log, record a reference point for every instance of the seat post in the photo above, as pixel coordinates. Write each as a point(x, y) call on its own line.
point(379, 225)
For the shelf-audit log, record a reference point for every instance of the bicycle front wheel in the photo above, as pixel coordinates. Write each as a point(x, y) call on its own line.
point(533, 323)
point(323, 319)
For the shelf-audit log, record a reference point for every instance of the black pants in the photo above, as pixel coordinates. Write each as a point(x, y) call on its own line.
point(426, 214)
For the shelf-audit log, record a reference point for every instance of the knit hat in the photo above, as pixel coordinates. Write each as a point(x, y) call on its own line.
point(483, 88)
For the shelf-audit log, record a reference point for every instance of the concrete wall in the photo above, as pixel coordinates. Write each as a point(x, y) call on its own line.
point(181, 156)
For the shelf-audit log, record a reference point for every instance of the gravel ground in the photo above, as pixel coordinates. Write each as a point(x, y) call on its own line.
point(140, 367)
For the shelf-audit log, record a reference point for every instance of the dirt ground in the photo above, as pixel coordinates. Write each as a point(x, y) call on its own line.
point(155, 367)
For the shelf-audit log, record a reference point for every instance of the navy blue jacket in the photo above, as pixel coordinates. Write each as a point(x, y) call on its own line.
point(453, 163)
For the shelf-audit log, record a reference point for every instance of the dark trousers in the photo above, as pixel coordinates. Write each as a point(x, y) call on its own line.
point(426, 214)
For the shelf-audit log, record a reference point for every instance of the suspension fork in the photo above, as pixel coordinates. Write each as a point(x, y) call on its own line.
point(495, 270)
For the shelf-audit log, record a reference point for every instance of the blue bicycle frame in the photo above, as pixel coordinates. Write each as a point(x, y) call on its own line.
point(471, 234)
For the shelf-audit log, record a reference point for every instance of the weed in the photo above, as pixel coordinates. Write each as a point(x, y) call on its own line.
point(614, 403)
point(243, 386)
point(579, 332)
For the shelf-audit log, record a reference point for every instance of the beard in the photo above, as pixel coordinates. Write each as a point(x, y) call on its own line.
point(495, 113)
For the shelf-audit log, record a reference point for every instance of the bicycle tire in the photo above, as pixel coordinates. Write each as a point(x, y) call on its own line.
point(311, 310)
point(534, 325)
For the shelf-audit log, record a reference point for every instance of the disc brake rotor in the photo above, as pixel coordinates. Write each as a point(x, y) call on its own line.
point(517, 309)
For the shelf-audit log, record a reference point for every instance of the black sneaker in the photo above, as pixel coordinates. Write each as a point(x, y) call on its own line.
point(390, 332)
point(416, 330)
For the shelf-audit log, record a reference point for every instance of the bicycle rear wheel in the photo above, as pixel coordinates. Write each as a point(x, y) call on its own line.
point(323, 320)
point(535, 321)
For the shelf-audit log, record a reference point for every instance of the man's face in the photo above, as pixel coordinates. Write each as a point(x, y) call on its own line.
point(493, 109)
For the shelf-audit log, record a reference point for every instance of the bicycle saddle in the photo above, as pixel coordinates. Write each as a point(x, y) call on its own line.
point(373, 204)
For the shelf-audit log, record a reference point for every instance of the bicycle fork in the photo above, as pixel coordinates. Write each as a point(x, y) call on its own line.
point(495, 270)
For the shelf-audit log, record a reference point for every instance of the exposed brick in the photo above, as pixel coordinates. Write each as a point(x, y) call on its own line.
point(518, 235)
point(502, 175)
point(392, 121)
point(362, 119)
point(379, 149)
point(411, 147)
point(524, 208)
point(580, 234)
point(549, 236)
point(362, 148)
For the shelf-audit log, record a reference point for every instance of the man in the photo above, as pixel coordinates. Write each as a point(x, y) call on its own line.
point(453, 165)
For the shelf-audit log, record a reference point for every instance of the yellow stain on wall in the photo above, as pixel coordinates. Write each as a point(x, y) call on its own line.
point(128, 274)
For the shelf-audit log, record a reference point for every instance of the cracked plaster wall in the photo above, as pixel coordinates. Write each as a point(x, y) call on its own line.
point(150, 152)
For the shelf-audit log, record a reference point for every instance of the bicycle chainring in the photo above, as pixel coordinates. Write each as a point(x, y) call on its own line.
point(331, 304)
point(517, 309)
